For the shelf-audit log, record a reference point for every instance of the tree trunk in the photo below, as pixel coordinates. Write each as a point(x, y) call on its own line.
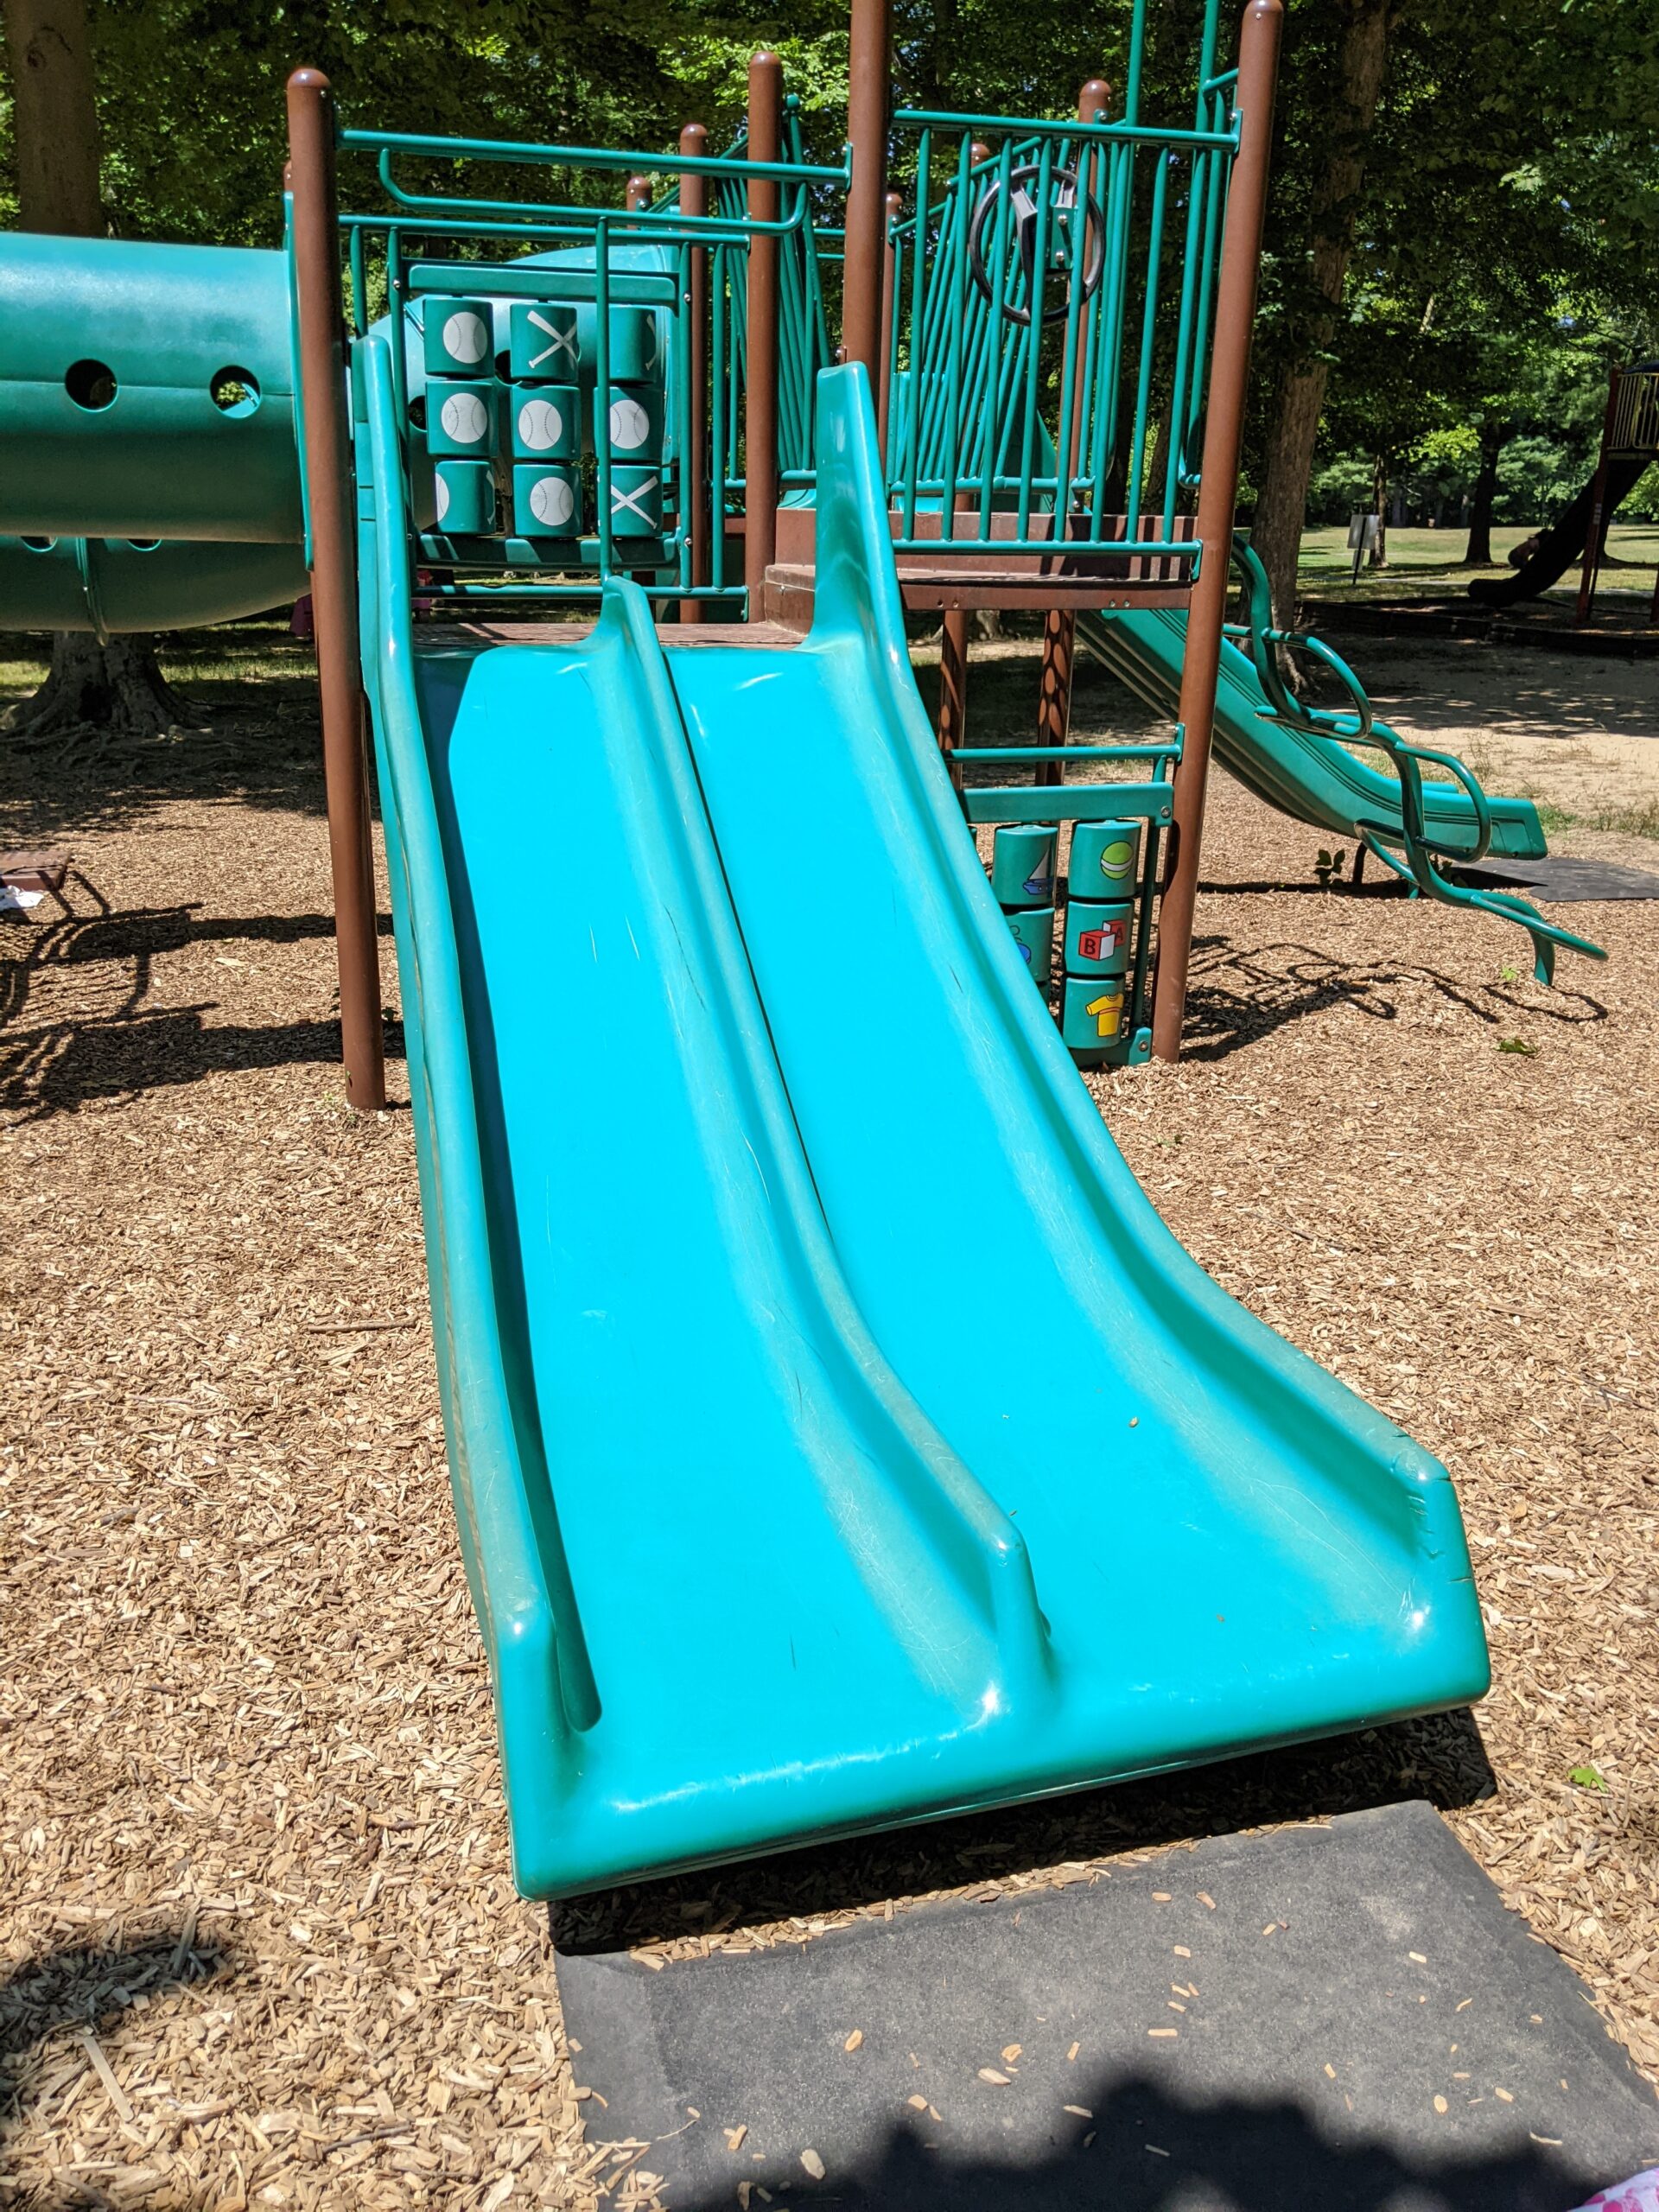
point(1477, 554)
point(55, 125)
point(1378, 556)
point(116, 688)
point(50, 55)
point(1362, 62)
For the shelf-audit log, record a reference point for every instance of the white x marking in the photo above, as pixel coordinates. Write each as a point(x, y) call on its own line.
point(564, 341)
point(621, 500)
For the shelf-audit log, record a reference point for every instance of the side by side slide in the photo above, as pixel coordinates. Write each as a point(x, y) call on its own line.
point(838, 1436)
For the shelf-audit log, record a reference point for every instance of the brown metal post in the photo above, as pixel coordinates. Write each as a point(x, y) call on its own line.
point(1586, 606)
point(330, 498)
point(953, 684)
point(761, 399)
point(694, 201)
point(1229, 372)
point(639, 196)
point(1054, 687)
point(866, 195)
point(892, 207)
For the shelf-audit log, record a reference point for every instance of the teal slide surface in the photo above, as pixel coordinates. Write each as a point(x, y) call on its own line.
point(1311, 777)
point(838, 1437)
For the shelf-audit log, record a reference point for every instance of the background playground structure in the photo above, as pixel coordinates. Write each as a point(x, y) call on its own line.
point(1430, 561)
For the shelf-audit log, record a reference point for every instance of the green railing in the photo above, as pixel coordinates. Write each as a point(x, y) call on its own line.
point(559, 251)
point(1050, 321)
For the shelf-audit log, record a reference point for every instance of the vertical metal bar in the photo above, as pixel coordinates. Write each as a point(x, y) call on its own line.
point(898, 416)
point(720, 444)
point(1258, 61)
point(1004, 377)
point(919, 299)
point(953, 684)
point(603, 386)
point(360, 287)
point(1149, 346)
point(892, 207)
point(329, 492)
point(1586, 606)
point(1060, 624)
point(1034, 357)
point(956, 261)
point(1054, 689)
point(398, 318)
point(1148, 892)
point(760, 414)
point(866, 135)
point(1137, 56)
point(1185, 309)
point(693, 340)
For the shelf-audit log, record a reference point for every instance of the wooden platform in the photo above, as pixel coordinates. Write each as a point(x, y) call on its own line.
point(752, 636)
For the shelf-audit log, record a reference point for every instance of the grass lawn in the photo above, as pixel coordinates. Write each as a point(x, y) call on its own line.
point(1429, 561)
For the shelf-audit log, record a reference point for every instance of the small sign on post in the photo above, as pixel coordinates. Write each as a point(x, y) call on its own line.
point(1362, 532)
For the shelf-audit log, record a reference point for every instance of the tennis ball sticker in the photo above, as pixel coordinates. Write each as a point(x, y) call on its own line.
point(540, 425)
point(443, 496)
point(552, 502)
point(465, 418)
point(464, 338)
point(629, 424)
point(1116, 859)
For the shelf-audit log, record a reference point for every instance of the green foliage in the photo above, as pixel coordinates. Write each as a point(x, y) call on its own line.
point(1516, 1045)
point(1506, 228)
point(1587, 1777)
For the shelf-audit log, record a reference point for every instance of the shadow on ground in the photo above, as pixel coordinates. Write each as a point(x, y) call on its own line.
point(251, 687)
point(1441, 1758)
point(109, 1041)
point(1148, 2151)
point(92, 1989)
point(1239, 996)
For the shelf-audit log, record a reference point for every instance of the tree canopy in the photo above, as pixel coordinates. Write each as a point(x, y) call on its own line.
point(1501, 238)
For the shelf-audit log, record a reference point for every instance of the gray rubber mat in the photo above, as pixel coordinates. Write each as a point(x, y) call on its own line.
point(1327, 2019)
point(1560, 881)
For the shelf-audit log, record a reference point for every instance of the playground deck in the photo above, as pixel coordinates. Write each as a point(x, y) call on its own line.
point(251, 1752)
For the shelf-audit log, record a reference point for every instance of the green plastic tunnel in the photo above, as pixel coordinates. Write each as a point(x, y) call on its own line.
point(148, 465)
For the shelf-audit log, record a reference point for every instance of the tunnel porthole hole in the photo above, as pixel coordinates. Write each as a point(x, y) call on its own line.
point(144, 544)
point(234, 392)
point(91, 385)
point(40, 544)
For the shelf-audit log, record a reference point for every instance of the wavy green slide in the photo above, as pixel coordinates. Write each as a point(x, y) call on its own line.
point(839, 1438)
point(1311, 777)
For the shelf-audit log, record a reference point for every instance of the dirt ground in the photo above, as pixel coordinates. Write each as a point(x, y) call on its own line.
point(260, 1943)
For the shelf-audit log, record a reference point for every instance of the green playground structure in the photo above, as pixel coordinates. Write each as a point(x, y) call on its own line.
point(781, 1267)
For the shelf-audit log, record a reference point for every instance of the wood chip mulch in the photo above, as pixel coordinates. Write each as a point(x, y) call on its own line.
point(261, 1946)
